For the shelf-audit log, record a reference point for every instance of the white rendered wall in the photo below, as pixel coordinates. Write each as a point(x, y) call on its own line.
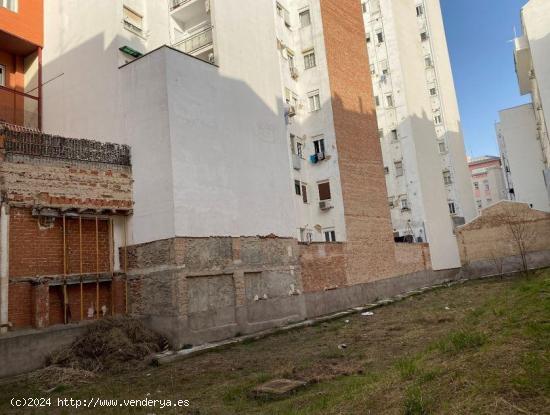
point(536, 27)
point(308, 126)
point(518, 131)
point(83, 90)
point(209, 154)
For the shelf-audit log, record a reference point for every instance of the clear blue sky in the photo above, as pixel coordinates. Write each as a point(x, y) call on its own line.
point(478, 34)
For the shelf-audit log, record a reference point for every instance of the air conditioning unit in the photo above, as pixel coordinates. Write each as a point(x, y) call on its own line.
point(320, 156)
point(294, 72)
point(325, 204)
point(291, 111)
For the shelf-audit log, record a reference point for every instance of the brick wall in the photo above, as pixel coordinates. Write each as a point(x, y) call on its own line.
point(37, 250)
point(488, 236)
point(322, 266)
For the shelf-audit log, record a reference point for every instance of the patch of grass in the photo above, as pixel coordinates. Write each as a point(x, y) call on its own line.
point(407, 367)
point(415, 402)
point(461, 340)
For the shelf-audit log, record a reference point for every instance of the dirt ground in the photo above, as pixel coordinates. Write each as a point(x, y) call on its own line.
point(477, 348)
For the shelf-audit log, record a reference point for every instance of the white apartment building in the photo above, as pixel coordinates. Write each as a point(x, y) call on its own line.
point(238, 127)
point(532, 61)
point(425, 163)
point(487, 180)
point(522, 161)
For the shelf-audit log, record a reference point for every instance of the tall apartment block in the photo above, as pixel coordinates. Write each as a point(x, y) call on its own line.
point(21, 41)
point(429, 186)
point(523, 131)
point(250, 131)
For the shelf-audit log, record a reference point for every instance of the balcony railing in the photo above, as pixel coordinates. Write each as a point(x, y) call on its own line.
point(177, 3)
point(195, 41)
point(19, 108)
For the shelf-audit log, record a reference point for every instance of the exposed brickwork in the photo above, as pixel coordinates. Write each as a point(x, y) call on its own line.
point(36, 250)
point(370, 250)
point(489, 236)
point(55, 175)
point(20, 305)
point(323, 266)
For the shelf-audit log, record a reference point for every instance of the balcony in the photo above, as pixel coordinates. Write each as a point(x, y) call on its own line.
point(174, 4)
point(196, 43)
point(522, 57)
point(19, 108)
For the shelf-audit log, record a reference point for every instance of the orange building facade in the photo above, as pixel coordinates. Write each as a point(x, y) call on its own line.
point(21, 43)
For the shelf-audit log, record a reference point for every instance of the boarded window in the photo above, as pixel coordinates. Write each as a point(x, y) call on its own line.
point(324, 191)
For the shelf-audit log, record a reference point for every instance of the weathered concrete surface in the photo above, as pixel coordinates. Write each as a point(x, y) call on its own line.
point(24, 351)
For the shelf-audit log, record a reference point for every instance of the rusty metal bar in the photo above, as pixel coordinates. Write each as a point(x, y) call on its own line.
point(111, 264)
point(97, 267)
point(64, 271)
point(125, 267)
point(81, 268)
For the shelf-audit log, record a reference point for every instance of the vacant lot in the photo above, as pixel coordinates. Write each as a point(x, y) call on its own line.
point(478, 348)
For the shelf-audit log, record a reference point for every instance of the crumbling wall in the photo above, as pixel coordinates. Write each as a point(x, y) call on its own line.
point(55, 191)
point(202, 289)
point(489, 236)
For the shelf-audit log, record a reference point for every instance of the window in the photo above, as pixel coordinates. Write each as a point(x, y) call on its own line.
point(11, 5)
point(309, 59)
point(447, 177)
point(291, 98)
point(305, 18)
point(380, 37)
point(319, 145)
point(368, 38)
point(364, 6)
point(489, 201)
point(384, 67)
point(330, 235)
point(283, 13)
point(377, 100)
point(374, 6)
point(381, 133)
point(391, 203)
point(2, 75)
point(442, 147)
point(476, 186)
point(290, 57)
point(132, 20)
point(404, 203)
point(479, 204)
point(486, 185)
point(433, 91)
point(304, 192)
point(428, 61)
point(324, 190)
point(300, 150)
point(389, 101)
point(423, 36)
point(419, 10)
point(297, 187)
point(394, 135)
point(386, 170)
point(314, 101)
point(398, 168)
point(437, 119)
point(452, 208)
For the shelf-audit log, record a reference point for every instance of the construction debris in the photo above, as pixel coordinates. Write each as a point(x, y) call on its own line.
point(277, 388)
point(110, 345)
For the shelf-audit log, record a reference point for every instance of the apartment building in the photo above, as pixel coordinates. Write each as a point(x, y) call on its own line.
point(487, 181)
point(532, 64)
point(522, 161)
point(21, 42)
point(233, 120)
point(427, 176)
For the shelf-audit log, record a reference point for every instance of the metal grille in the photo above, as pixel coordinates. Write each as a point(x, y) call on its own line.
point(33, 143)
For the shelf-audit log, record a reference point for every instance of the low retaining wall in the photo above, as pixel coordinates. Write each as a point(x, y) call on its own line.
point(24, 351)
